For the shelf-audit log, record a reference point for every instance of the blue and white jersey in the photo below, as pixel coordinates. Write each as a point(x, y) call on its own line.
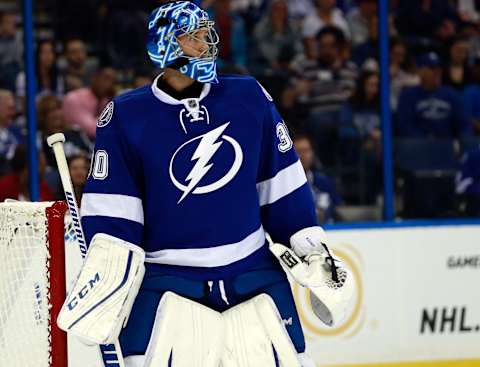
point(196, 182)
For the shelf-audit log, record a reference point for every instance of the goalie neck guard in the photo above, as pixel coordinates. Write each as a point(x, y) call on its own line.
point(173, 20)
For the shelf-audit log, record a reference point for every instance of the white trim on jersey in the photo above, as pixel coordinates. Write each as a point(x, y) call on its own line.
point(212, 256)
point(283, 183)
point(166, 98)
point(112, 205)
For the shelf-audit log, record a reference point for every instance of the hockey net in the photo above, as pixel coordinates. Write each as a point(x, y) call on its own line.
point(32, 283)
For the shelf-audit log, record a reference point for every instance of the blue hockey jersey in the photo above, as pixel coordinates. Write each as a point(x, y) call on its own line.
point(196, 182)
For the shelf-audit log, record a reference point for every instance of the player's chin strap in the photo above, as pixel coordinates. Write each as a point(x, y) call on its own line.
point(312, 265)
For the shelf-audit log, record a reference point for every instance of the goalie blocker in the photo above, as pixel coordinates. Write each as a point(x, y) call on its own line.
point(100, 302)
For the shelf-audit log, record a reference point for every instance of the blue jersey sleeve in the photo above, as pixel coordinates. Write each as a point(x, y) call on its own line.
point(286, 200)
point(112, 198)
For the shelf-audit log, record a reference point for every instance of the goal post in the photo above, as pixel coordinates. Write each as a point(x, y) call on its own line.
point(32, 284)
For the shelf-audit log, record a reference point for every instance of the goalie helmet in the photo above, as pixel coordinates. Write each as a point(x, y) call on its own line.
point(173, 20)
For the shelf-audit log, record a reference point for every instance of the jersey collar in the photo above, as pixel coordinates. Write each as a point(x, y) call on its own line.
point(168, 99)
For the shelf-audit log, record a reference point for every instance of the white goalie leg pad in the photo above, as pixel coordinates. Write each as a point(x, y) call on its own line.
point(252, 328)
point(330, 298)
point(102, 297)
point(192, 333)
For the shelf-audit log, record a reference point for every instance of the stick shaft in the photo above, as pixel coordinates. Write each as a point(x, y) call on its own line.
point(75, 213)
point(70, 195)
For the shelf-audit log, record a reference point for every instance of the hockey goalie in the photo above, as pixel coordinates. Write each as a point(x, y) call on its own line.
point(188, 177)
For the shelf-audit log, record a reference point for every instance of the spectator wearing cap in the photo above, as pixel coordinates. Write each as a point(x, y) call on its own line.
point(326, 14)
point(468, 181)
point(83, 106)
point(15, 185)
point(431, 109)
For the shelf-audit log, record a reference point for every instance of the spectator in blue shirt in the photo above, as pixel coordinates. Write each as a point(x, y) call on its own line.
point(431, 109)
point(468, 181)
point(323, 190)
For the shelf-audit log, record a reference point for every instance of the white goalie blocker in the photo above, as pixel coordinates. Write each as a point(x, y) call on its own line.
point(103, 295)
point(193, 335)
point(330, 282)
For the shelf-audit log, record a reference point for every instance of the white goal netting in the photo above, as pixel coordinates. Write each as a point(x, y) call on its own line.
point(25, 285)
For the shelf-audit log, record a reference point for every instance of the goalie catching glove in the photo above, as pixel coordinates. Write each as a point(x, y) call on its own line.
point(312, 265)
point(101, 300)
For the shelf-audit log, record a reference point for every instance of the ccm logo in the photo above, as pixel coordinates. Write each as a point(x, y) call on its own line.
point(83, 292)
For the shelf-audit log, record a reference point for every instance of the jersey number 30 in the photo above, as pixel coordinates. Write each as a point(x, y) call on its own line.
point(284, 137)
point(99, 166)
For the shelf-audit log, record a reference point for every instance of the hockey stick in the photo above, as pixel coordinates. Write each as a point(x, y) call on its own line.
point(55, 141)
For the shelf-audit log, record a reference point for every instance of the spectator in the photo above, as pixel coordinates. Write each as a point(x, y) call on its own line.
point(456, 71)
point(326, 14)
point(299, 9)
point(78, 166)
point(77, 73)
point(16, 185)
point(82, 107)
point(368, 49)
point(434, 19)
point(323, 189)
point(401, 71)
point(431, 109)
point(362, 110)
point(51, 121)
point(471, 97)
point(11, 50)
point(231, 29)
point(49, 80)
point(358, 19)
point(469, 10)
point(468, 182)
point(8, 136)
point(276, 41)
point(362, 115)
point(324, 84)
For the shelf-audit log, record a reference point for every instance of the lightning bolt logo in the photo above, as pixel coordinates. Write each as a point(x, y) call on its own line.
point(206, 149)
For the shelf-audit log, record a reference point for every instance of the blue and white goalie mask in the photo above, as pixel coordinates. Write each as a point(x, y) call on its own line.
point(181, 36)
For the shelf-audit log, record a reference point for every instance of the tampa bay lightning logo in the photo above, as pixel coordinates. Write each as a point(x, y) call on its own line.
point(208, 145)
point(106, 115)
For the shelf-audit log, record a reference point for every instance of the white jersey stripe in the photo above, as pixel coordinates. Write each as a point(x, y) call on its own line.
point(211, 256)
point(112, 205)
point(285, 181)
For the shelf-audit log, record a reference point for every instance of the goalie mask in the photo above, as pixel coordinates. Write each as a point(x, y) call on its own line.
point(176, 22)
